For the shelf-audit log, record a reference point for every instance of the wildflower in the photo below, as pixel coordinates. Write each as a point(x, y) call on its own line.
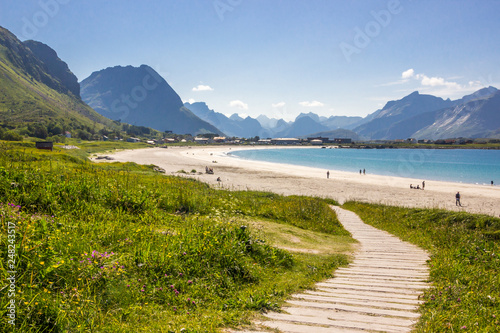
point(463, 327)
point(189, 282)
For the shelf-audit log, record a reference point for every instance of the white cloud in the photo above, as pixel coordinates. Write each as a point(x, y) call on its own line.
point(439, 86)
point(408, 74)
point(191, 101)
point(311, 104)
point(238, 104)
point(202, 87)
point(437, 82)
point(278, 105)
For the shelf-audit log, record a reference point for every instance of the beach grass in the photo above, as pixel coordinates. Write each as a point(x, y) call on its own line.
point(464, 266)
point(118, 247)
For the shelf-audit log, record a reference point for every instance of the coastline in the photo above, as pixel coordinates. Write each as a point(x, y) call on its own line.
point(287, 179)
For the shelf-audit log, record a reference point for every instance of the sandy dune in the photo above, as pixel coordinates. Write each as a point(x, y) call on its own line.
point(287, 179)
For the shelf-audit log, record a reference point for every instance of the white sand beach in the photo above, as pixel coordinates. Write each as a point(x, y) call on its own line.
point(239, 174)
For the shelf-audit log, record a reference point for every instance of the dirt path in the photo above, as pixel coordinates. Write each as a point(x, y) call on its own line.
point(378, 292)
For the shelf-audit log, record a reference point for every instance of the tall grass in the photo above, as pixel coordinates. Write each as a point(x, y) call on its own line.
point(464, 266)
point(119, 248)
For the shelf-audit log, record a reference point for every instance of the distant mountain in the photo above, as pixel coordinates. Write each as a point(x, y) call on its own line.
point(232, 126)
point(267, 122)
point(477, 118)
point(140, 96)
point(235, 117)
point(251, 128)
point(311, 115)
point(382, 123)
point(38, 96)
point(303, 125)
point(281, 126)
point(219, 120)
point(345, 122)
point(481, 93)
point(54, 66)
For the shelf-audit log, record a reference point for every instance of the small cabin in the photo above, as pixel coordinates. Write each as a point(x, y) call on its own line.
point(44, 145)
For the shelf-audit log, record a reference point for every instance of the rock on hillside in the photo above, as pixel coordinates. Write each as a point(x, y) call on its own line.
point(54, 66)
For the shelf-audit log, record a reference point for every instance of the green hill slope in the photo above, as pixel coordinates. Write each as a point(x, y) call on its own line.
point(32, 102)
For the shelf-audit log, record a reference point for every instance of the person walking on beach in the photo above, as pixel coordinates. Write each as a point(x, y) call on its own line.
point(457, 199)
point(327, 174)
point(364, 172)
point(423, 184)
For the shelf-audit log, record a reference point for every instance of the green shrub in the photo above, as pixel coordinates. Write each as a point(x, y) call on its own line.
point(11, 136)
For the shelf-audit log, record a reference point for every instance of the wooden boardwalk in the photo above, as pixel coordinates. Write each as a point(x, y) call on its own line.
point(378, 292)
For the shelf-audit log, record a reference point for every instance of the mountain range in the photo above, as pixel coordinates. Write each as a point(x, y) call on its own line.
point(429, 117)
point(305, 124)
point(40, 96)
point(417, 116)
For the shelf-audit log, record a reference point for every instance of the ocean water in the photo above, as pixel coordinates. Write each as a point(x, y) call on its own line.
point(475, 166)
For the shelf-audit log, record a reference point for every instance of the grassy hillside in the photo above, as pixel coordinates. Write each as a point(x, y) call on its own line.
point(464, 266)
point(119, 248)
point(29, 102)
point(25, 102)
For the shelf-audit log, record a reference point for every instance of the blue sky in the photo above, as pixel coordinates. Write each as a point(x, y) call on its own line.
point(277, 57)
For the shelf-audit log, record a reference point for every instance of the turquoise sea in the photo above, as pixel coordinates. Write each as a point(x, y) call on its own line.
point(475, 166)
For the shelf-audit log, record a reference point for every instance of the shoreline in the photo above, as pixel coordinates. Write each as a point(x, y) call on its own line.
point(407, 164)
point(288, 179)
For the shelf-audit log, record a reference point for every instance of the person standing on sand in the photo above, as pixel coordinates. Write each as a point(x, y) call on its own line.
point(327, 174)
point(423, 184)
point(457, 199)
point(364, 172)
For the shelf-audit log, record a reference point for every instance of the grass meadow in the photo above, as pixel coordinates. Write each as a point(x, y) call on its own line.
point(117, 247)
